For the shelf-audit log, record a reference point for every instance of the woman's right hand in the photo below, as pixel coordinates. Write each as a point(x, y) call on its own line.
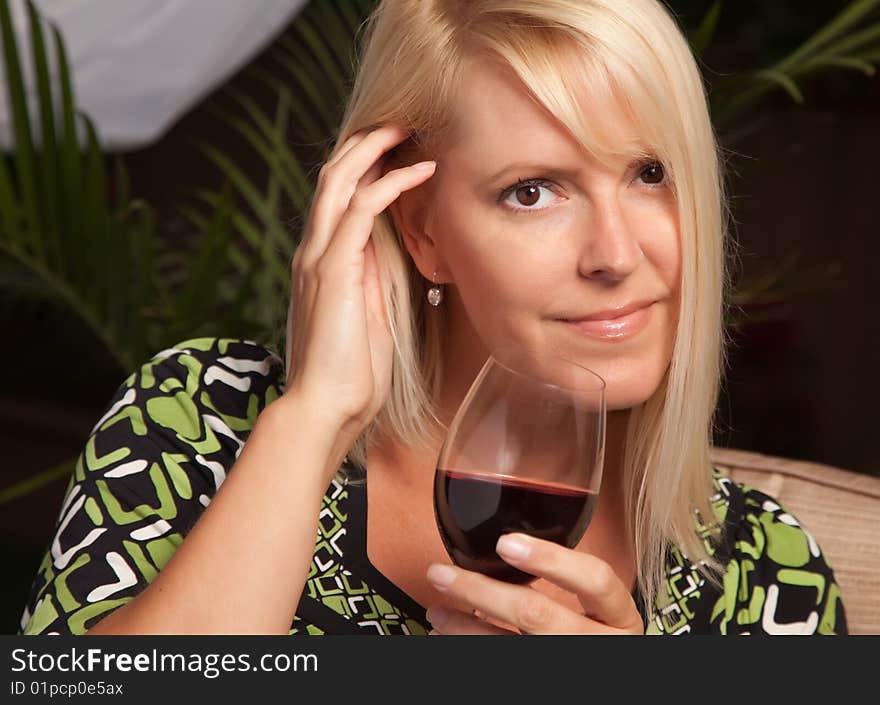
point(341, 346)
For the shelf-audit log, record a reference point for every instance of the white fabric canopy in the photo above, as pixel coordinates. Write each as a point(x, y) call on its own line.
point(138, 65)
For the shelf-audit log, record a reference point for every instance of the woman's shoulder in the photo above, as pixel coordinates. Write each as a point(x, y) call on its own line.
point(777, 579)
point(150, 466)
point(197, 400)
point(229, 360)
point(756, 522)
point(231, 379)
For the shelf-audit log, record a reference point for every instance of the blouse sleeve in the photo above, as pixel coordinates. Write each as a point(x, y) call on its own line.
point(149, 468)
point(778, 580)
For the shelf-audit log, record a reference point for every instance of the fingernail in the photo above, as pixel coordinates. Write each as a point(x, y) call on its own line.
point(441, 575)
point(425, 166)
point(433, 632)
point(513, 547)
point(437, 616)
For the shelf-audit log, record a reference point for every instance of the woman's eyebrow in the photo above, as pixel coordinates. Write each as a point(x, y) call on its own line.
point(627, 160)
point(536, 167)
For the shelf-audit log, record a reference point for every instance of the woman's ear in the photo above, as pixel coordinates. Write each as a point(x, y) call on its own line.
point(412, 217)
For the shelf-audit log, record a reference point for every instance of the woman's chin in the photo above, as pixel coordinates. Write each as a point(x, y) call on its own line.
point(624, 391)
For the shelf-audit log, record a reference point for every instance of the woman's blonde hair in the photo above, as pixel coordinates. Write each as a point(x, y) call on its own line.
point(411, 60)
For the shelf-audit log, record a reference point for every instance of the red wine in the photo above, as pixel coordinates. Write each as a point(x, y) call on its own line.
point(474, 510)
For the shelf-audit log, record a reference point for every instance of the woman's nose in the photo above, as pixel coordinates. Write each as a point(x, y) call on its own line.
point(609, 246)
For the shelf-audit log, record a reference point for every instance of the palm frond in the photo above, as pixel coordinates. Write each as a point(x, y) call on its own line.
point(843, 43)
point(276, 156)
point(702, 36)
point(49, 185)
point(836, 29)
point(308, 72)
point(59, 225)
point(30, 239)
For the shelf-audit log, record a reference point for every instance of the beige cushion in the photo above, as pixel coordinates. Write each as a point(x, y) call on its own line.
point(839, 507)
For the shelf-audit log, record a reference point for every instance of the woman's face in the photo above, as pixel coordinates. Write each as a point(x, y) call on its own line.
point(527, 230)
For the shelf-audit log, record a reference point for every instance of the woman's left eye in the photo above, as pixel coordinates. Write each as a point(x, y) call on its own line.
point(527, 195)
point(652, 173)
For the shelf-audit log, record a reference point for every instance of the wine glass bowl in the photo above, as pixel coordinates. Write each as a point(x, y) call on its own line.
point(523, 453)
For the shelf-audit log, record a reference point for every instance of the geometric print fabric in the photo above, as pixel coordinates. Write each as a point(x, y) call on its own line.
point(173, 431)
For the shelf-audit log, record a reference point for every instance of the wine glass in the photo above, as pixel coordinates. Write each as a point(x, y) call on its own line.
point(523, 453)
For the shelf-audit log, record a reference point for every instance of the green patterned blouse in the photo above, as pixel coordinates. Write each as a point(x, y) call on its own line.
point(175, 428)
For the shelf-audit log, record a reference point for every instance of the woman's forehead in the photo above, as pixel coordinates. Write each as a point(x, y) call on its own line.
point(496, 115)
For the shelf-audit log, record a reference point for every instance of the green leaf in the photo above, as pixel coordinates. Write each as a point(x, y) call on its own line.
point(10, 213)
point(785, 82)
point(841, 44)
point(254, 236)
point(306, 119)
point(32, 231)
point(71, 173)
point(351, 14)
point(140, 223)
point(49, 186)
point(241, 262)
point(269, 142)
point(871, 57)
point(705, 31)
point(856, 41)
point(71, 299)
point(845, 62)
point(338, 37)
point(236, 318)
point(104, 261)
point(195, 217)
point(851, 15)
point(199, 294)
point(22, 283)
point(318, 45)
point(67, 245)
point(304, 73)
point(121, 187)
point(252, 196)
point(40, 479)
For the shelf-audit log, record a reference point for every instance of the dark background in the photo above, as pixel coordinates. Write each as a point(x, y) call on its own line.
point(802, 383)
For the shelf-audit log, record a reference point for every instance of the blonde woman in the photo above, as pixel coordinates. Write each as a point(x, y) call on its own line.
point(504, 167)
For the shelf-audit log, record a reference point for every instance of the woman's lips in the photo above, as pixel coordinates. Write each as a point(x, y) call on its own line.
point(621, 328)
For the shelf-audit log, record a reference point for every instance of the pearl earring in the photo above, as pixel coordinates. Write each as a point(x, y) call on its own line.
point(435, 293)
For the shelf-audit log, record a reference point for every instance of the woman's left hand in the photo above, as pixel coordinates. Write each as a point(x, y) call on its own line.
point(608, 607)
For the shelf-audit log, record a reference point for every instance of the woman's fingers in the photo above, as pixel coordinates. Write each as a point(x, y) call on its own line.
point(450, 621)
point(608, 608)
point(356, 138)
point(338, 182)
point(521, 607)
point(374, 173)
point(602, 594)
point(356, 224)
point(351, 192)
